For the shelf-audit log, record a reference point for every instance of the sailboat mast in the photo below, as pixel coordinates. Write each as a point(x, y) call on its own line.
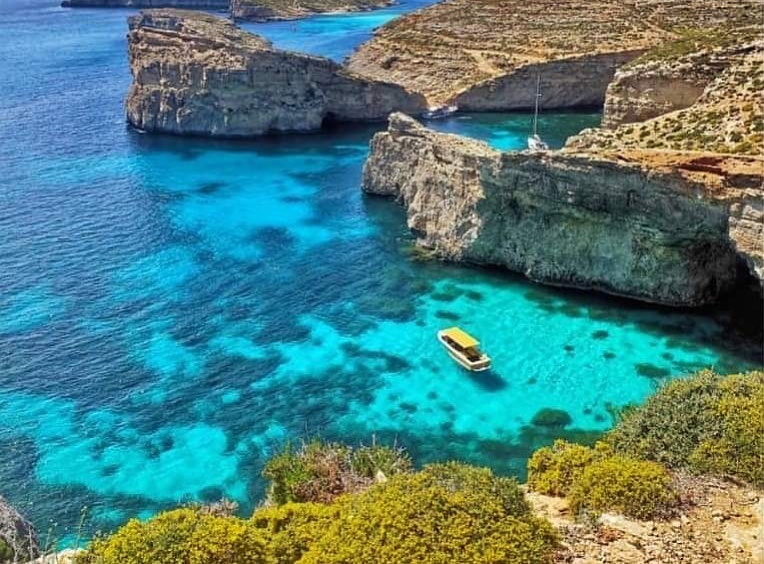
point(536, 112)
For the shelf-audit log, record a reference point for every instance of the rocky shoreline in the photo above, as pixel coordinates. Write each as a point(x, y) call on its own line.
point(247, 10)
point(656, 232)
point(196, 74)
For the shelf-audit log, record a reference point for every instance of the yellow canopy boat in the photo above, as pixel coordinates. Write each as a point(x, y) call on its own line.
point(464, 349)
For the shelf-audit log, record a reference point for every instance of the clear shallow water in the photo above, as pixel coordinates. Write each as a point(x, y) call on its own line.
point(172, 309)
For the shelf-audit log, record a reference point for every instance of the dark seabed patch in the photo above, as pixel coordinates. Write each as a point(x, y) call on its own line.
point(600, 334)
point(651, 371)
point(210, 188)
point(569, 348)
point(607, 355)
point(440, 314)
point(551, 417)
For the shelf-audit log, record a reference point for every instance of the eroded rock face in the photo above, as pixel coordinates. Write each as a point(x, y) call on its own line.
point(567, 83)
point(197, 74)
point(450, 48)
point(263, 10)
point(659, 85)
point(184, 4)
point(18, 539)
point(656, 232)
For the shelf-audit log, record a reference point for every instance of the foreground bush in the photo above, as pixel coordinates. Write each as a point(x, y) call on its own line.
point(707, 422)
point(553, 470)
point(738, 449)
point(319, 472)
point(182, 536)
point(446, 513)
point(637, 488)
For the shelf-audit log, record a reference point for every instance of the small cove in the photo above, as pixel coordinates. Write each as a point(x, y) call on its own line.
point(171, 310)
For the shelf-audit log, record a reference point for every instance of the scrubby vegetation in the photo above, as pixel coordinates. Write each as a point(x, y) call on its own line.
point(331, 503)
point(553, 470)
point(708, 423)
point(637, 488)
point(319, 471)
point(445, 513)
point(596, 480)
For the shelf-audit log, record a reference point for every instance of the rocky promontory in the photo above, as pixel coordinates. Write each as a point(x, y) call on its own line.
point(197, 74)
point(655, 228)
point(180, 4)
point(263, 10)
point(253, 10)
point(485, 55)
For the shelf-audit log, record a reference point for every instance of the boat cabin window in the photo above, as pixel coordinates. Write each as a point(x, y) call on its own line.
point(471, 353)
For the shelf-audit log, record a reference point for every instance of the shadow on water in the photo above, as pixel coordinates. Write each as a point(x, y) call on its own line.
point(489, 380)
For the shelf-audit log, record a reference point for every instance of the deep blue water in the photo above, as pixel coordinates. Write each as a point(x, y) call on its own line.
point(172, 309)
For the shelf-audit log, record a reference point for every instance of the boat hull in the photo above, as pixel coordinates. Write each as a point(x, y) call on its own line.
point(473, 366)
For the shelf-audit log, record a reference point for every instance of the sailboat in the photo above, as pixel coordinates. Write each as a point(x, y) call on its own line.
point(535, 143)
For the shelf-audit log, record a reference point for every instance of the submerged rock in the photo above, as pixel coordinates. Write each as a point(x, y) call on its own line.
point(197, 74)
point(634, 224)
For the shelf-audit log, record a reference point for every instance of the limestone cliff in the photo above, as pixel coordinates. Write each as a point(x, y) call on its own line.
point(486, 54)
point(197, 74)
point(255, 10)
point(261, 10)
point(674, 76)
point(183, 4)
point(626, 224)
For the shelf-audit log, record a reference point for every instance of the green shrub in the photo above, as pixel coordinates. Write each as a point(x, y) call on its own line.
point(739, 449)
point(706, 422)
point(319, 472)
point(446, 513)
point(637, 488)
point(182, 536)
point(553, 470)
point(367, 461)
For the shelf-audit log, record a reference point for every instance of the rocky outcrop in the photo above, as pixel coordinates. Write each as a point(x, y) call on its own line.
point(673, 77)
point(632, 224)
point(253, 10)
point(18, 539)
point(566, 83)
point(197, 74)
point(263, 10)
point(718, 522)
point(181, 4)
point(451, 48)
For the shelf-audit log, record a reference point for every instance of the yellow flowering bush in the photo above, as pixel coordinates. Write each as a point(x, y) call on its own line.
point(637, 488)
point(553, 470)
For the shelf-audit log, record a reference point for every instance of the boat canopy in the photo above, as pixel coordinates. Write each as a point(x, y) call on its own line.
point(464, 340)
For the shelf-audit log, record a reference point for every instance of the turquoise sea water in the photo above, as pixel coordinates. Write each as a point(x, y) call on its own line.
point(172, 309)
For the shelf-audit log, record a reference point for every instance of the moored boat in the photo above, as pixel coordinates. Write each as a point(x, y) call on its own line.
point(464, 349)
point(535, 143)
point(439, 112)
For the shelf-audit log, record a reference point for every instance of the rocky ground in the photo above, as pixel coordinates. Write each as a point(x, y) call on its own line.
point(444, 50)
point(719, 522)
